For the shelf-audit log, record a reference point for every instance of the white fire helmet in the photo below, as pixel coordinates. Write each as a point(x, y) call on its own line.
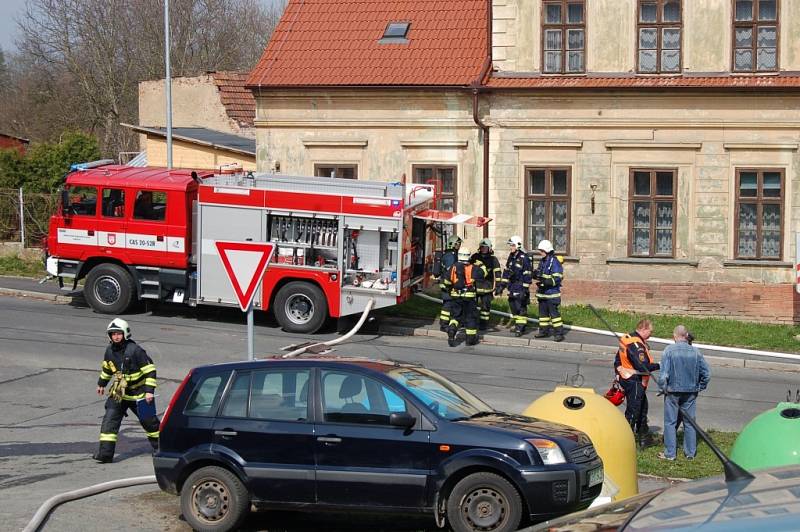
point(545, 245)
point(119, 325)
point(515, 240)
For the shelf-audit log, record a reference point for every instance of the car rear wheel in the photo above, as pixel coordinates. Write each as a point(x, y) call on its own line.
point(300, 307)
point(484, 502)
point(214, 500)
point(109, 289)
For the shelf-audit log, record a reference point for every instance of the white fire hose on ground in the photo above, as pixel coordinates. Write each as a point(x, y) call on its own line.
point(707, 347)
point(50, 504)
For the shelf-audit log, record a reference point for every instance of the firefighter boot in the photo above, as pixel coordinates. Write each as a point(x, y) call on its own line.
point(519, 330)
point(543, 333)
point(472, 339)
point(451, 336)
point(559, 337)
point(105, 453)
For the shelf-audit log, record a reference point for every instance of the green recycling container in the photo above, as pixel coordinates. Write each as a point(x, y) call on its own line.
point(771, 439)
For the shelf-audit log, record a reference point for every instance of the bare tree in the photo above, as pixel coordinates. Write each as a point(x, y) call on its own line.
point(89, 55)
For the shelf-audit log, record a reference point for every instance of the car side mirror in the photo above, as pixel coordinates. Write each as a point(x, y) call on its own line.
point(64, 202)
point(402, 419)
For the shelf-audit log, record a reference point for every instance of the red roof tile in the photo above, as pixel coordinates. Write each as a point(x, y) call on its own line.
point(236, 98)
point(647, 82)
point(335, 42)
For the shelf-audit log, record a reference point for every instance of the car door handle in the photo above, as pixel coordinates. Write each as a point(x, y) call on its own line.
point(225, 433)
point(329, 439)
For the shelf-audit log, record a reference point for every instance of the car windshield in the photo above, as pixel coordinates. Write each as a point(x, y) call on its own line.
point(446, 399)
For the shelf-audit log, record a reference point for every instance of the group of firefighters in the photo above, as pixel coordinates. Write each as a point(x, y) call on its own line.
point(470, 282)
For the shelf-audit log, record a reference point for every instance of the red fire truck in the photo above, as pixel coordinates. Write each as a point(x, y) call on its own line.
point(149, 233)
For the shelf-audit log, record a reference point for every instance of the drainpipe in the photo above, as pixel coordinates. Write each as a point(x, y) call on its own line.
point(477, 86)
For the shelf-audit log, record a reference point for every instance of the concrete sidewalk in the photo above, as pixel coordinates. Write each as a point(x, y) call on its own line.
point(594, 344)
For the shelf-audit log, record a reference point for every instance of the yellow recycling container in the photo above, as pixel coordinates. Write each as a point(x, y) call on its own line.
point(610, 433)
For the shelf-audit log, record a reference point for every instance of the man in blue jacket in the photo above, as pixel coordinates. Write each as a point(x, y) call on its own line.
point(684, 373)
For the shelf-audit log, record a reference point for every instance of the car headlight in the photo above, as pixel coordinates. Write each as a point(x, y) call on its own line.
point(549, 451)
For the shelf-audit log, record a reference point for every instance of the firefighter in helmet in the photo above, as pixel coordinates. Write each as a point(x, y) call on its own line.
point(134, 382)
point(517, 279)
point(461, 282)
point(485, 288)
point(549, 275)
point(448, 258)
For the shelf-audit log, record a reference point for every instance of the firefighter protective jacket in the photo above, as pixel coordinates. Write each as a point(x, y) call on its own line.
point(493, 272)
point(517, 275)
point(135, 366)
point(448, 258)
point(462, 279)
point(551, 273)
point(634, 356)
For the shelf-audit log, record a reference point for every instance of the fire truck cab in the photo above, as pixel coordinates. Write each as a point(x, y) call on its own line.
point(149, 233)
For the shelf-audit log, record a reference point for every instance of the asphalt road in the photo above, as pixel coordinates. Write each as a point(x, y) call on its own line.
point(49, 361)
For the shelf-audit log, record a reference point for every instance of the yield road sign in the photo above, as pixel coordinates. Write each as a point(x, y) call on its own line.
point(245, 264)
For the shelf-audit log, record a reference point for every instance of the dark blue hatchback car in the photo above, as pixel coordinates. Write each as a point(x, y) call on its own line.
point(344, 434)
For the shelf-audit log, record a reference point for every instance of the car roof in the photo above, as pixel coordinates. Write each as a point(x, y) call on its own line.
point(377, 365)
point(770, 501)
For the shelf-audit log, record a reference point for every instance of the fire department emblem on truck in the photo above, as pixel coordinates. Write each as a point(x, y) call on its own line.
point(112, 239)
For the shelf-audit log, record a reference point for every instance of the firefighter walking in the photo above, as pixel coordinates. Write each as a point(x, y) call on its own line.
point(446, 261)
point(633, 364)
point(485, 287)
point(461, 281)
point(517, 279)
point(134, 377)
point(549, 275)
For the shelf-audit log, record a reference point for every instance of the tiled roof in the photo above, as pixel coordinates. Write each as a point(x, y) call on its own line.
point(753, 82)
point(336, 43)
point(238, 100)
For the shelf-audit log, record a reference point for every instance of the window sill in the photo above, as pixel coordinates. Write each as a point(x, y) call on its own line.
point(570, 258)
point(757, 263)
point(652, 260)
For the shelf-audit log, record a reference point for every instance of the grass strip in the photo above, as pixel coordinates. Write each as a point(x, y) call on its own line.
point(17, 266)
point(705, 463)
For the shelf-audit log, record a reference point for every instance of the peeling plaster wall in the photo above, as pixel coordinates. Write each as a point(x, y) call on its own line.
point(384, 133)
point(195, 103)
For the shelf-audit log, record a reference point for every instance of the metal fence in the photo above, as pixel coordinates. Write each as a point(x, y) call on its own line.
point(24, 216)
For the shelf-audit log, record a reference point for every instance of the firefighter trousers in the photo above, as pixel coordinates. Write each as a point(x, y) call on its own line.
point(519, 310)
point(464, 311)
point(636, 406)
point(550, 316)
point(113, 419)
point(447, 308)
point(484, 308)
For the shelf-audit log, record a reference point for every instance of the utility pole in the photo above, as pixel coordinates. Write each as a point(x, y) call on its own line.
point(168, 84)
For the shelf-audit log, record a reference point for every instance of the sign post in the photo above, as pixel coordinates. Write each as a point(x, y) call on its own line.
point(245, 264)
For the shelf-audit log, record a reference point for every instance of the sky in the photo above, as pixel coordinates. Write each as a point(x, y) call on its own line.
point(10, 10)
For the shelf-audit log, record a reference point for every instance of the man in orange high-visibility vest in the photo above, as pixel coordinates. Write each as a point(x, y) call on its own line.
point(634, 363)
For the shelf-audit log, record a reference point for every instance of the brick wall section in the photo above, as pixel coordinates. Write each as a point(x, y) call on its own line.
point(776, 303)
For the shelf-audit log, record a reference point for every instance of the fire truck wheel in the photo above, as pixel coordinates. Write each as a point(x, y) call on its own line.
point(300, 307)
point(109, 289)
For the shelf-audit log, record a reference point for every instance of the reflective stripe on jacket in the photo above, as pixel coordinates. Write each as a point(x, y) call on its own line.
point(135, 365)
point(517, 275)
point(494, 272)
point(552, 275)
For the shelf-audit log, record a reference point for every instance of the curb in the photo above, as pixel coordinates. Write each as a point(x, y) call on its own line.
point(488, 339)
point(40, 296)
point(608, 351)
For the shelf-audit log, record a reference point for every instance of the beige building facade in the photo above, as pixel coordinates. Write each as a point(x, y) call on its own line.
point(656, 142)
